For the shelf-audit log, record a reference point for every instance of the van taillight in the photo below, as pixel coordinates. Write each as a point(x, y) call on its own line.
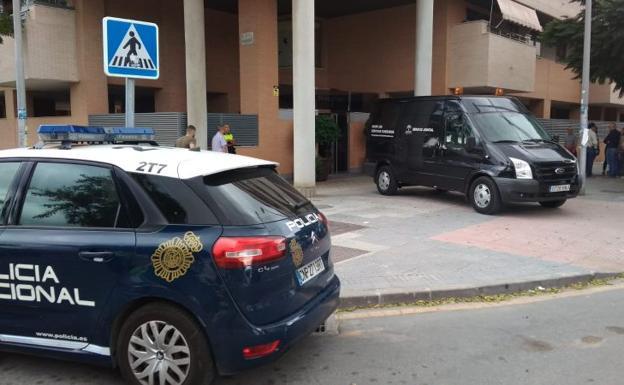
point(240, 252)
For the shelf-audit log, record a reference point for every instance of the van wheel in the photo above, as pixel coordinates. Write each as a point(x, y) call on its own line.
point(484, 196)
point(159, 344)
point(386, 182)
point(553, 204)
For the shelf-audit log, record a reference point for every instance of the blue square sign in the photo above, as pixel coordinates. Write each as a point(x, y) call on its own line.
point(130, 48)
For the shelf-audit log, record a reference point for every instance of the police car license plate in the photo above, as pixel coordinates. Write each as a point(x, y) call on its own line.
point(560, 188)
point(309, 271)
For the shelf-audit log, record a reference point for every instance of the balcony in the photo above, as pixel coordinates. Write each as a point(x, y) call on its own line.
point(605, 95)
point(481, 61)
point(49, 47)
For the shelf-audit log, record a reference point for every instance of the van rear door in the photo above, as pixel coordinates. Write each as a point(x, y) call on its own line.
point(383, 137)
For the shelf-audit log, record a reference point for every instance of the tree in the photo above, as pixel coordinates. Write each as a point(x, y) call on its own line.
point(6, 25)
point(607, 51)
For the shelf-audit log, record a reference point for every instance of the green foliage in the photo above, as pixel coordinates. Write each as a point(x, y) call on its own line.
point(6, 25)
point(327, 131)
point(607, 51)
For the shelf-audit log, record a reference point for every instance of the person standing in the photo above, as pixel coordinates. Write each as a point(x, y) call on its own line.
point(570, 141)
point(612, 142)
point(621, 152)
point(592, 149)
point(188, 140)
point(229, 138)
point(219, 144)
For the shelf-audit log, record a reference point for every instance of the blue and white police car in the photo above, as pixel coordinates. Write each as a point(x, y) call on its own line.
point(172, 265)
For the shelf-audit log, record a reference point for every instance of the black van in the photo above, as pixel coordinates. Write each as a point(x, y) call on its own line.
point(489, 148)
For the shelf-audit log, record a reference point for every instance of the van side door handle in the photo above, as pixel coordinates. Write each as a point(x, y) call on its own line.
point(96, 256)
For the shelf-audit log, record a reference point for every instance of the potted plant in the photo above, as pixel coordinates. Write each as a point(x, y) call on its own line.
point(327, 132)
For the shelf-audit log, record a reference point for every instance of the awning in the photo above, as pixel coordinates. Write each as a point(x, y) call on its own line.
point(520, 14)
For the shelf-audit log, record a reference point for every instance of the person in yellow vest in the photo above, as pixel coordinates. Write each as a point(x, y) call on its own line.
point(229, 138)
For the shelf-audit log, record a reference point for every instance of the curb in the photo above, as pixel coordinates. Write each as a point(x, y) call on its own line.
point(430, 295)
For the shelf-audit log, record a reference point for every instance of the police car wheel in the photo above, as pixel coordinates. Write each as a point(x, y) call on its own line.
point(484, 196)
point(161, 345)
point(386, 182)
point(553, 204)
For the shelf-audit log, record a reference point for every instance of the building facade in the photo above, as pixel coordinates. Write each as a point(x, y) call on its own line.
point(239, 55)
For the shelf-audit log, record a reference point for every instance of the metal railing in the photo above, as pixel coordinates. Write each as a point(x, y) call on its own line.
point(50, 3)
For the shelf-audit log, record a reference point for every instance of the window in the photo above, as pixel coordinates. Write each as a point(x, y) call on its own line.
point(72, 195)
point(285, 46)
point(456, 128)
point(250, 197)
point(175, 200)
point(2, 106)
point(7, 174)
point(50, 103)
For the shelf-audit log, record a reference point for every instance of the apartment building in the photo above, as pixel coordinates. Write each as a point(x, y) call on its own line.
point(364, 49)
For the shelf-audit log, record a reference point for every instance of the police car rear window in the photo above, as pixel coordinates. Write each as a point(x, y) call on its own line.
point(252, 196)
point(175, 200)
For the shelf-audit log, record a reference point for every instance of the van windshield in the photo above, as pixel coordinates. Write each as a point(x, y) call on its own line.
point(509, 127)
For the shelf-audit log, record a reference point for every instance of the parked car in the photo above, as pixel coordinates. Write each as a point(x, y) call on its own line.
point(489, 148)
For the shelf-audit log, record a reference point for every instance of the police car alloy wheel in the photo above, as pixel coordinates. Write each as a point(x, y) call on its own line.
point(484, 196)
point(386, 182)
point(161, 345)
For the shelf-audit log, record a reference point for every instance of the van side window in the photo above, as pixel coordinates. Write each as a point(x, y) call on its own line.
point(456, 127)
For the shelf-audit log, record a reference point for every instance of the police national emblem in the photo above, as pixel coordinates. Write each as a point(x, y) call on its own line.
point(173, 258)
point(297, 253)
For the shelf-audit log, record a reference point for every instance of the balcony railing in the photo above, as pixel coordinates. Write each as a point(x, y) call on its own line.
point(50, 3)
point(482, 60)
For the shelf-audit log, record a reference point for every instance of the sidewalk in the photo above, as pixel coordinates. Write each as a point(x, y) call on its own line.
point(423, 245)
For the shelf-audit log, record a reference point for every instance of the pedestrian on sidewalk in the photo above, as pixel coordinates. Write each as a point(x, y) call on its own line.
point(612, 142)
point(621, 151)
point(229, 138)
point(188, 140)
point(219, 144)
point(570, 141)
point(592, 149)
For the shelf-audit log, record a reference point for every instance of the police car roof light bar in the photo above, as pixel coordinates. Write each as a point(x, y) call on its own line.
point(70, 134)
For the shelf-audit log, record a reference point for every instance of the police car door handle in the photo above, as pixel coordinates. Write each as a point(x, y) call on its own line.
point(96, 256)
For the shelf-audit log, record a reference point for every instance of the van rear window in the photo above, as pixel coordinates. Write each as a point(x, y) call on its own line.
point(251, 196)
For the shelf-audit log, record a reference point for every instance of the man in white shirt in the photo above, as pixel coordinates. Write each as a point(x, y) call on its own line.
point(219, 144)
point(592, 149)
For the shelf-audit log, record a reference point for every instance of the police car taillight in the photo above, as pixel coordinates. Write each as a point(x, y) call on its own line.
point(240, 252)
point(324, 220)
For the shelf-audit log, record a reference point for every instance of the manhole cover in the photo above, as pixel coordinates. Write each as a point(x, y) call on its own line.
point(338, 228)
point(340, 253)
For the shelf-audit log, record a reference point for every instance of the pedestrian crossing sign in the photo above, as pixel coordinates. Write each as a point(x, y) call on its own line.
point(130, 48)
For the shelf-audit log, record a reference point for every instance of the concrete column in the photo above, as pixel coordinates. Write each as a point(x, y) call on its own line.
point(90, 95)
point(304, 95)
point(424, 47)
point(195, 44)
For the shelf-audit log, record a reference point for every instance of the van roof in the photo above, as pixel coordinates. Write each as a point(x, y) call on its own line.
point(447, 97)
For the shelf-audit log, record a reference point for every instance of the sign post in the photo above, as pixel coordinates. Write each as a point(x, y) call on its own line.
point(130, 52)
point(20, 84)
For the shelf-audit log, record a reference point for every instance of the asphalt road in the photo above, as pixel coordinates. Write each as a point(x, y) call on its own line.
point(567, 340)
